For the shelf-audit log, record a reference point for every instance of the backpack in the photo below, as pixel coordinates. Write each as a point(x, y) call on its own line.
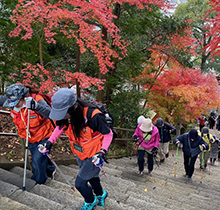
point(202, 121)
point(47, 98)
point(109, 118)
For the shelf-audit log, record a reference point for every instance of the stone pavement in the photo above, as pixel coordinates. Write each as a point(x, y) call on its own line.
point(160, 190)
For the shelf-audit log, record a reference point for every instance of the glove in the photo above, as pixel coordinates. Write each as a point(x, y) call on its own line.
point(154, 151)
point(135, 138)
point(203, 147)
point(178, 143)
point(31, 103)
point(45, 148)
point(99, 158)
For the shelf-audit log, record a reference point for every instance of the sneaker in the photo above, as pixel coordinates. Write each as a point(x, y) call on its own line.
point(189, 177)
point(89, 206)
point(101, 198)
point(149, 172)
point(140, 172)
point(167, 155)
point(205, 165)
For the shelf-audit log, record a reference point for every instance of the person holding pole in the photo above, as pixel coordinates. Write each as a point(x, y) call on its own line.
point(147, 137)
point(193, 145)
point(165, 130)
point(89, 136)
point(39, 130)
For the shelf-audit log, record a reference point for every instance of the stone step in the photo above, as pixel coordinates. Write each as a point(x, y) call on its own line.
point(7, 203)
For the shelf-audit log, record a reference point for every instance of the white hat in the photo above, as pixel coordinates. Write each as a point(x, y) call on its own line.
point(146, 125)
point(140, 119)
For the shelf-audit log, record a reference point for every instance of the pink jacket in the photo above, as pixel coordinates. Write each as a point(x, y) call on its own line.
point(152, 142)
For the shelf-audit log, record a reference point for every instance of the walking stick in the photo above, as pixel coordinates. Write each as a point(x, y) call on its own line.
point(26, 151)
point(118, 201)
point(172, 148)
point(202, 163)
point(176, 160)
point(41, 148)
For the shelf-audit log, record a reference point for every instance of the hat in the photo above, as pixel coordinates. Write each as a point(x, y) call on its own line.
point(205, 130)
point(62, 100)
point(146, 126)
point(160, 123)
point(140, 119)
point(193, 134)
point(14, 94)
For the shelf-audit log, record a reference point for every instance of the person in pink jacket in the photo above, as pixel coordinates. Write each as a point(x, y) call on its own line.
point(147, 137)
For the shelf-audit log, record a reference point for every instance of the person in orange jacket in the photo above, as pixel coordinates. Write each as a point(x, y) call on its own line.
point(89, 136)
point(18, 97)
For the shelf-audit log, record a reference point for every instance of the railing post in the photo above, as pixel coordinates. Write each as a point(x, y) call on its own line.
point(127, 142)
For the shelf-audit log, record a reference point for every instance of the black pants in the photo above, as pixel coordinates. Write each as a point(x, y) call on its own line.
point(189, 163)
point(150, 161)
point(87, 190)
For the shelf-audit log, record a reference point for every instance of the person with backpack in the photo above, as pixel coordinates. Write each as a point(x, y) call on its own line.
point(202, 122)
point(193, 145)
point(209, 139)
point(218, 123)
point(147, 137)
point(165, 131)
point(89, 137)
point(18, 97)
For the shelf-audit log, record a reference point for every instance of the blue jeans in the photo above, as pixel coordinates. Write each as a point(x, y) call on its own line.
point(42, 167)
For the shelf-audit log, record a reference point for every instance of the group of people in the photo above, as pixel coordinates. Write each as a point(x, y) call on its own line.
point(84, 124)
point(154, 140)
point(212, 122)
point(90, 137)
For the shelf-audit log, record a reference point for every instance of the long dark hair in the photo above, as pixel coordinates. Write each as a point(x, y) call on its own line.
point(77, 119)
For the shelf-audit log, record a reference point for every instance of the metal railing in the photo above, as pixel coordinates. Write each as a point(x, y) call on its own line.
point(126, 130)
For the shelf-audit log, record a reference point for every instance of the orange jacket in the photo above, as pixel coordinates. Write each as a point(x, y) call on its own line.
point(39, 127)
point(90, 141)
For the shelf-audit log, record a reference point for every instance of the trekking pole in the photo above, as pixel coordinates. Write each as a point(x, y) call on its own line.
point(202, 166)
point(132, 152)
point(40, 148)
point(172, 148)
point(155, 159)
point(176, 160)
point(26, 151)
point(118, 201)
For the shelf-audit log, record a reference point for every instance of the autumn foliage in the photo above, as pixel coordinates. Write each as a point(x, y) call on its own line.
point(79, 20)
point(213, 28)
point(183, 94)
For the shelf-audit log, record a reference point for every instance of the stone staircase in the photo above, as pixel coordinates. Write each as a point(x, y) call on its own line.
point(160, 190)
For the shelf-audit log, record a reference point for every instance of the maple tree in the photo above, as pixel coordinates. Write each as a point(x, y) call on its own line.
point(183, 94)
point(78, 20)
point(213, 28)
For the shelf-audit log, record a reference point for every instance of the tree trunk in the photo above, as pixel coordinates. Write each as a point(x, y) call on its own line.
point(78, 70)
point(100, 93)
point(41, 52)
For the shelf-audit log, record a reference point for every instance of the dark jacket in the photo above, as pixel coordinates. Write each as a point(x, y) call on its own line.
point(165, 132)
point(195, 149)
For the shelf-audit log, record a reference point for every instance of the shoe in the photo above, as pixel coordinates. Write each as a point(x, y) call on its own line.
point(162, 161)
point(149, 172)
point(140, 172)
point(201, 167)
point(101, 198)
point(89, 206)
point(167, 155)
point(205, 165)
point(189, 177)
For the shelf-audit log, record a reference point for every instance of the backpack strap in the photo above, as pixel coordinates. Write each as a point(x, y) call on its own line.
point(34, 95)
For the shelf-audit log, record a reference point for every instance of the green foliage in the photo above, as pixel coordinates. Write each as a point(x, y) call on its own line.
point(125, 108)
